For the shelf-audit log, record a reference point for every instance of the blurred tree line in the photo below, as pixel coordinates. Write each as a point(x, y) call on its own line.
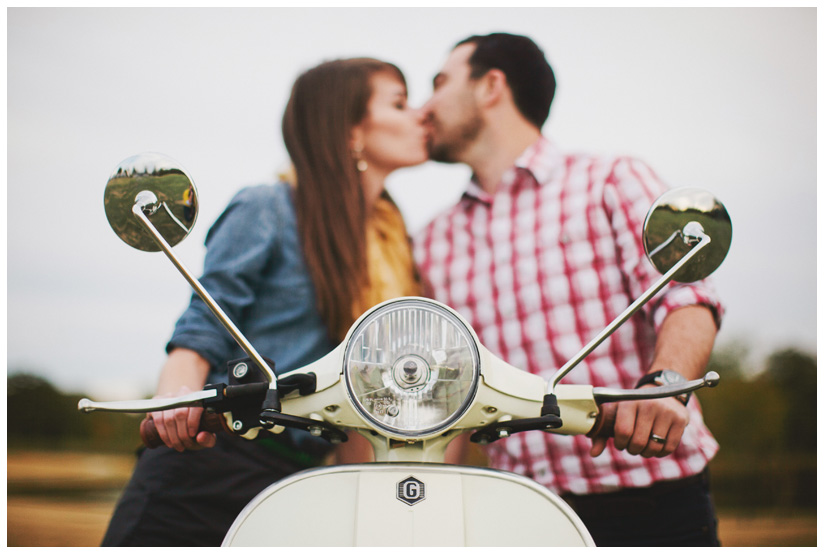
point(42, 417)
point(766, 429)
point(765, 425)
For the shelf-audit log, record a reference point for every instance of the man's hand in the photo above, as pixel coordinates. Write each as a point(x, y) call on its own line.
point(637, 421)
point(684, 343)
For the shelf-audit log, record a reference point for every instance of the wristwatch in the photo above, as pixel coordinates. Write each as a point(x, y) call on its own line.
point(665, 377)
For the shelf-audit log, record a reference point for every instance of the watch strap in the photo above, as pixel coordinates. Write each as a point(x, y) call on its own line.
point(655, 378)
point(649, 379)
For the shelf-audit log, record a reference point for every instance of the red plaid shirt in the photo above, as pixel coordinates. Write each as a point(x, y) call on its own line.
point(540, 268)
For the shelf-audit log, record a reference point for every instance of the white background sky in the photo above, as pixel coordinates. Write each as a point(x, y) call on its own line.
point(723, 99)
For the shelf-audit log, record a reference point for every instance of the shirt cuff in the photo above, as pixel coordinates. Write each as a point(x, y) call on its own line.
point(202, 344)
point(682, 295)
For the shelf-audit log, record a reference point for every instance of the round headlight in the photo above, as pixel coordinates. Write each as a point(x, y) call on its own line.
point(411, 368)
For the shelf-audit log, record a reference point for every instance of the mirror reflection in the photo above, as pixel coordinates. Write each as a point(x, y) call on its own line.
point(664, 232)
point(173, 213)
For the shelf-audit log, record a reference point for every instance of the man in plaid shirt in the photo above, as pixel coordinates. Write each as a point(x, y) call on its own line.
point(540, 254)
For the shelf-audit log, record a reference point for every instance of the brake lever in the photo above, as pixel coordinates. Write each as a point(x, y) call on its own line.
point(608, 395)
point(218, 398)
point(149, 405)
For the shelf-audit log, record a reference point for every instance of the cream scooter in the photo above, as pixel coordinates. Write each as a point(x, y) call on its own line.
point(410, 376)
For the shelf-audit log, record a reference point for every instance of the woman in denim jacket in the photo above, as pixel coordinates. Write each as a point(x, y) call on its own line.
point(293, 265)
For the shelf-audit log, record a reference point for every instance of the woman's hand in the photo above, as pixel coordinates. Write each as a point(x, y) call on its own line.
point(178, 428)
point(185, 371)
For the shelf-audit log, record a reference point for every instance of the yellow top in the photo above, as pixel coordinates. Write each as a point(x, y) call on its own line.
point(390, 264)
point(390, 267)
point(389, 256)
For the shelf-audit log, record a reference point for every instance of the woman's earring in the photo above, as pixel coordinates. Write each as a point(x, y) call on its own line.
point(360, 163)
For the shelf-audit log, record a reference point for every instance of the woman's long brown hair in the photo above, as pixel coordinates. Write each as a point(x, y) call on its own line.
point(327, 101)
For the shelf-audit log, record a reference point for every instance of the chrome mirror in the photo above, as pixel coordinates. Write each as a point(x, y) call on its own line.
point(687, 234)
point(680, 220)
point(151, 204)
point(163, 191)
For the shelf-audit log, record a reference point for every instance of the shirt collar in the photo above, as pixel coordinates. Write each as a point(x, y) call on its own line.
point(541, 160)
point(475, 192)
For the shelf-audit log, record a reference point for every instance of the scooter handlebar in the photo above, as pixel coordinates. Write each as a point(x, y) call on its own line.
point(607, 399)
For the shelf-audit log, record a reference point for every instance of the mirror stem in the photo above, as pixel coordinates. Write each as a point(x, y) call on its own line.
point(144, 203)
point(690, 235)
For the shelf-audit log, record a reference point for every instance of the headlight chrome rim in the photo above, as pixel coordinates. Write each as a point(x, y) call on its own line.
point(413, 386)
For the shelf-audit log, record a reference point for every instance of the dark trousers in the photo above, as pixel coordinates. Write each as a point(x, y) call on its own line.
point(192, 498)
point(667, 514)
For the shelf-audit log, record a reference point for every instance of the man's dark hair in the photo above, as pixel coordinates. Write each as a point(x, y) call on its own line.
point(528, 74)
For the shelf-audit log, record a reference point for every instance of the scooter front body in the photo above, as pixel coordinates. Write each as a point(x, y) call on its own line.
point(411, 504)
point(410, 376)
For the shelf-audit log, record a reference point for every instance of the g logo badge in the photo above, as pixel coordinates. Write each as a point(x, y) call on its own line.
point(410, 491)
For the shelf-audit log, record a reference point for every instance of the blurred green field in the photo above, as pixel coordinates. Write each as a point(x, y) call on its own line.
point(65, 499)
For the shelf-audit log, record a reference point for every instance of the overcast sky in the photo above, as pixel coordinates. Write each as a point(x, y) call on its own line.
point(723, 99)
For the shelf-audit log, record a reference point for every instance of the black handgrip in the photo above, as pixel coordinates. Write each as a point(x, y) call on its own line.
point(605, 422)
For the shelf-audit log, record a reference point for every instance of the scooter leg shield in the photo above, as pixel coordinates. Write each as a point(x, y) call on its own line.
point(407, 505)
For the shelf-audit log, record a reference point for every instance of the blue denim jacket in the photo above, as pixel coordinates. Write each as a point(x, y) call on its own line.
point(254, 269)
